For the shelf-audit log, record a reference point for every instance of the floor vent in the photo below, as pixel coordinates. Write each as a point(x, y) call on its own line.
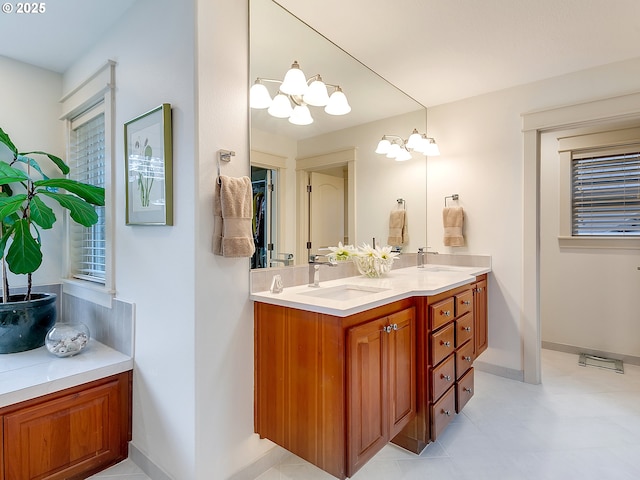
point(587, 360)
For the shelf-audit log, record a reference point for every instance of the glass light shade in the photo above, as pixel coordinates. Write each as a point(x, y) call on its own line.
point(280, 107)
point(432, 149)
point(422, 145)
point(383, 146)
point(338, 104)
point(394, 150)
point(301, 115)
point(259, 96)
point(294, 82)
point(414, 139)
point(403, 155)
point(316, 94)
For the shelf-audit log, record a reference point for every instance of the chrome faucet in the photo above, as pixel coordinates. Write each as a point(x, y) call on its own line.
point(314, 269)
point(421, 257)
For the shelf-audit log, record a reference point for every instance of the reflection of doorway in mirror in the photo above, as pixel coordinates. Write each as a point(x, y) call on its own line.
point(327, 207)
point(263, 184)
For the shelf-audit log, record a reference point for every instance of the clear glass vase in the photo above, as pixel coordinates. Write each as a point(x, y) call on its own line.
point(67, 339)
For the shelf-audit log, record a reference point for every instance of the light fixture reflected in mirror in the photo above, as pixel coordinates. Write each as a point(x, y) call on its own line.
point(396, 147)
point(297, 89)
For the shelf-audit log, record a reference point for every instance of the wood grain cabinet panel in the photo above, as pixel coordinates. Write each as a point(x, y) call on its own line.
point(464, 358)
point(68, 435)
point(464, 390)
point(334, 390)
point(443, 377)
point(464, 329)
point(480, 315)
point(442, 412)
point(441, 313)
point(442, 344)
point(464, 303)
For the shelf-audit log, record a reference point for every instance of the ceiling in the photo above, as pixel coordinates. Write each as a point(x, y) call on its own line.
point(437, 51)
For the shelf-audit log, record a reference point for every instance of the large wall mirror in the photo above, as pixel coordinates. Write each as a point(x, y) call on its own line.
point(319, 184)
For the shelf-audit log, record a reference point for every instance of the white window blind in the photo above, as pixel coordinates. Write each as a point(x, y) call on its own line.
point(87, 149)
point(605, 194)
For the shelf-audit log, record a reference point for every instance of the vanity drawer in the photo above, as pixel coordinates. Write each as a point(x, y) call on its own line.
point(464, 302)
point(442, 344)
point(441, 313)
point(464, 359)
point(442, 377)
point(442, 412)
point(464, 329)
point(464, 390)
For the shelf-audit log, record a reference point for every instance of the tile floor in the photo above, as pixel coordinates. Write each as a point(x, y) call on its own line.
point(582, 423)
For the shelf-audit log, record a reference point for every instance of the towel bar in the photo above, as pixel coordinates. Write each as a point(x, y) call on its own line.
point(454, 196)
point(224, 156)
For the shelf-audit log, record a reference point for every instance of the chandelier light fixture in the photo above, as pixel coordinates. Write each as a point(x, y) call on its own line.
point(295, 89)
point(396, 147)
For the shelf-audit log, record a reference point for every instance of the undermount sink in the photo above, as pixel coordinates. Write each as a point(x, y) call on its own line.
point(441, 268)
point(342, 292)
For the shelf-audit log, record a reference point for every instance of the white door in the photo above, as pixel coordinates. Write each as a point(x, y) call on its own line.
point(327, 211)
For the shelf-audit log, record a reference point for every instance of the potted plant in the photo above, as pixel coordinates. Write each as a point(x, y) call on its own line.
point(24, 187)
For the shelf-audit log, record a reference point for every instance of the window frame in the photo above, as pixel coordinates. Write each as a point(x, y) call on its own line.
point(98, 89)
point(622, 140)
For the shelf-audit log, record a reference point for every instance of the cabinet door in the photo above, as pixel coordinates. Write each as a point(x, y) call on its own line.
point(367, 420)
point(402, 369)
point(65, 437)
point(481, 334)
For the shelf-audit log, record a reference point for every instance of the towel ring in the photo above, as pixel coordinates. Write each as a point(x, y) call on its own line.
point(455, 196)
point(224, 156)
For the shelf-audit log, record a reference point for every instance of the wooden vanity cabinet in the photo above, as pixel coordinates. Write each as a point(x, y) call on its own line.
point(70, 434)
point(334, 390)
point(480, 316)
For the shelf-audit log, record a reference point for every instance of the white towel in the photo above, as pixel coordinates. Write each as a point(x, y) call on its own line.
point(233, 214)
point(452, 220)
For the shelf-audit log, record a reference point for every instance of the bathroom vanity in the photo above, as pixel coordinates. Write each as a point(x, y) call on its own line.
point(343, 369)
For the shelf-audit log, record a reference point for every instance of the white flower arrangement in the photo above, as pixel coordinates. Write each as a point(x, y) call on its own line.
point(371, 262)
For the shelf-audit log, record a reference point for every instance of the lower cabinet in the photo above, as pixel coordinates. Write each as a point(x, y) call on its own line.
point(70, 434)
point(334, 390)
point(481, 341)
point(381, 395)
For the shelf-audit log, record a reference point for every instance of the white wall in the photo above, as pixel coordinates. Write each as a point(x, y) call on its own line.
point(29, 115)
point(482, 156)
point(153, 46)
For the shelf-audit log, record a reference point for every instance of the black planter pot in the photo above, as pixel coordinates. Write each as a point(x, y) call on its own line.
point(24, 325)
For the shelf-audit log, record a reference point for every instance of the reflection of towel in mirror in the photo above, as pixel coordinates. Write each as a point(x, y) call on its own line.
point(233, 213)
point(398, 231)
point(452, 220)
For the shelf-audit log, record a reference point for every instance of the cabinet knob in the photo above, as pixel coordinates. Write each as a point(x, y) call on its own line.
point(467, 329)
point(395, 326)
point(468, 359)
point(446, 313)
point(446, 412)
point(465, 302)
point(446, 344)
point(468, 389)
point(445, 377)
point(387, 329)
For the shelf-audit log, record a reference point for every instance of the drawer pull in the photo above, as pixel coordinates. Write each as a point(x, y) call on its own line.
point(467, 329)
point(446, 313)
point(446, 344)
point(387, 329)
point(395, 326)
point(446, 377)
point(468, 389)
point(446, 412)
point(468, 359)
point(465, 302)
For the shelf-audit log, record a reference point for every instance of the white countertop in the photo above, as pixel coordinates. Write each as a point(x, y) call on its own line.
point(395, 285)
point(37, 372)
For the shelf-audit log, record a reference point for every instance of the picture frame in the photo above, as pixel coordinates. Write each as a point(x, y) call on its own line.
point(149, 168)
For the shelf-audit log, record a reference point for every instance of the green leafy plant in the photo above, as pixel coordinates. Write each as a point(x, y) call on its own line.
point(23, 211)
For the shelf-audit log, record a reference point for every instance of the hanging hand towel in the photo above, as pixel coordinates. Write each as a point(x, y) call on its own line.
point(233, 213)
point(398, 232)
point(453, 219)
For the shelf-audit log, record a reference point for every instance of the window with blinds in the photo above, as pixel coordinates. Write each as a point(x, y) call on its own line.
point(605, 193)
point(87, 159)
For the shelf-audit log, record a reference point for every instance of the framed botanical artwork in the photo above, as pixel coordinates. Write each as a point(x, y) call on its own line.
point(148, 168)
